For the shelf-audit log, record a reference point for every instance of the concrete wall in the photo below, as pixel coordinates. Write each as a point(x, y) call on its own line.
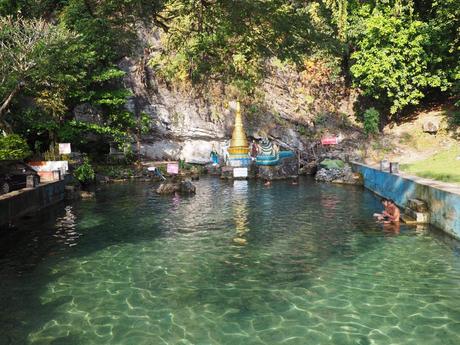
point(21, 202)
point(443, 199)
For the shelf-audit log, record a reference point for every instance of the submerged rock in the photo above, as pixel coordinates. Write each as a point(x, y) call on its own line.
point(168, 188)
point(187, 187)
point(182, 187)
point(87, 195)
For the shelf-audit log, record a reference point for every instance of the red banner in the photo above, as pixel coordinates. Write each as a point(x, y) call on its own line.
point(330, 141)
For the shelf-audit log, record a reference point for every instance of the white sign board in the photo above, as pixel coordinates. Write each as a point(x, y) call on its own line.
point(64, 148)
point(240, 172)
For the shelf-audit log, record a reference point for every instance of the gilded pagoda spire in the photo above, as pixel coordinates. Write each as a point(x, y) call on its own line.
point(239, 148)
point(239, 136)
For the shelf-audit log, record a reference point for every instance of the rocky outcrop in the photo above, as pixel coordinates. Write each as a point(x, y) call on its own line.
point(188, 124)
point(288, 168)
point(85, 112)
point(309, 168)
point(336, 171)
point(185, 187)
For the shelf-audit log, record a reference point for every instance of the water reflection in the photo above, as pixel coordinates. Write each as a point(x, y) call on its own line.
point(65, 228)
point(240, 211)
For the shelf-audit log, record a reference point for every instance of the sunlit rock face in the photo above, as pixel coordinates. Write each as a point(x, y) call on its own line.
point(184, 127)
point(191, 150)
point(187, 126)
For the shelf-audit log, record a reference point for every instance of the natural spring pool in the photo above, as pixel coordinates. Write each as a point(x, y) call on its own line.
point(133, 268)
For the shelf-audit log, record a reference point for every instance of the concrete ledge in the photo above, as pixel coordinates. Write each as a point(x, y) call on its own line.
point(18, 203)
point(443, 199)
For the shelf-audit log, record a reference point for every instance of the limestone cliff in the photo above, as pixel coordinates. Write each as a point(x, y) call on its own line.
point(188, 124)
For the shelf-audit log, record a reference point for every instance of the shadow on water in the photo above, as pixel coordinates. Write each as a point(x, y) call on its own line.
point(289, 232)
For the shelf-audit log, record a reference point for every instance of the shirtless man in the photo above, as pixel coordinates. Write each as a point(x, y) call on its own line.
point(382, 216)
point(393, 213)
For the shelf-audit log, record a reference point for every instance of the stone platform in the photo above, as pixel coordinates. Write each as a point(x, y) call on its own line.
point(288, 168)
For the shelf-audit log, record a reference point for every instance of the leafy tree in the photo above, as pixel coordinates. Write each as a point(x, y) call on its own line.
point(231, 41)
point(13, 146)
point(41, 60)
point(444, 50)
point(85, 172)
point(391, 64)
point(371, 119)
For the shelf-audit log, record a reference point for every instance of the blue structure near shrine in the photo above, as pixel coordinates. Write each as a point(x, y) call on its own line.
point(270, 155)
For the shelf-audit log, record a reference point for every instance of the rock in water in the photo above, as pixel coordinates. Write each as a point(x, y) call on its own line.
point(87, 195)
point(182, 187)
point(168, 188)
point(187, 187)
point(227, 173)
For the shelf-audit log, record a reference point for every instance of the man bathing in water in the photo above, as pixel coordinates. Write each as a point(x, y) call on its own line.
point(381, 216)
point(390, 214)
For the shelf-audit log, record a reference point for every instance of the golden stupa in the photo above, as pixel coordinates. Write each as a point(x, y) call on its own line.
point(239, 143)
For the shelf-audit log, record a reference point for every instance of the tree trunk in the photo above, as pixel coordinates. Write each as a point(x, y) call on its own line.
point(6, 103)
point(10, 97)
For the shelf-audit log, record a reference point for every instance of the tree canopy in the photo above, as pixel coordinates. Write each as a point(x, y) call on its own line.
point(55, 55)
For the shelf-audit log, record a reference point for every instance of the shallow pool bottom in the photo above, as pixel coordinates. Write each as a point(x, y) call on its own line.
point(132, 267)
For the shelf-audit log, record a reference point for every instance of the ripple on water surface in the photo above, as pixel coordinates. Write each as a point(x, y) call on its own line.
point(310, 267)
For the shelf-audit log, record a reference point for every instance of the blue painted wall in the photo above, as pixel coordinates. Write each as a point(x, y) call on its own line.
point(444, 205)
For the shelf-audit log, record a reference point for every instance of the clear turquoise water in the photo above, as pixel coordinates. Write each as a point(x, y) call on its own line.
point(131, 267)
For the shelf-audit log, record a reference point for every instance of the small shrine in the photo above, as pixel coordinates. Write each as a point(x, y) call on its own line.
point(263, 160)
point(238, 152)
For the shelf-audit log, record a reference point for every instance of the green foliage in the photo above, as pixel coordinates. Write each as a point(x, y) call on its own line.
point(405, 50)
point(371, 120)
point(42, 61)
point(55, 55)
point(116, 171)
point(85, 172)
point(391, 63)
point(52, 154)
point(230, 41)
point(13, 146)
point(332, 164)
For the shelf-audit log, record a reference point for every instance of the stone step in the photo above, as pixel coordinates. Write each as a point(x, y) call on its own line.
point(416, 217)
point(408, 220)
